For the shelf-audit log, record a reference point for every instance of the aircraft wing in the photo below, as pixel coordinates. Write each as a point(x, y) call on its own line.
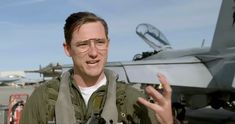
point(185, 71)
point(7, 80)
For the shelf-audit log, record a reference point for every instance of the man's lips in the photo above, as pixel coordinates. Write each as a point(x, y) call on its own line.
point(92, 61)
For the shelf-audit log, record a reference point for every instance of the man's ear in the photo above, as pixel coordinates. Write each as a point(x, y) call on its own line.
point(67, 49)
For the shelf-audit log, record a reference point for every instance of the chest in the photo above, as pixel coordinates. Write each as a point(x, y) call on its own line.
point(95, 105)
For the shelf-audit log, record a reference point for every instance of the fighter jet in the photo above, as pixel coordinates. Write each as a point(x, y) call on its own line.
point(199, 76)
point(15, 78)
point(51, 70)
point(4, 80)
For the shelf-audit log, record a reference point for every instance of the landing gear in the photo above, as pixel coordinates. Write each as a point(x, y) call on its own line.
point(225, 101)
point(230, 106)
point(216, 104)
point(179, 111)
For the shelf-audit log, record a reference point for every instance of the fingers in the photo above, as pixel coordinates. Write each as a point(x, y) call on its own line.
point(162, 102)
point(166, 87)
point(148, 104)
point(162, 96)
point(158, 97)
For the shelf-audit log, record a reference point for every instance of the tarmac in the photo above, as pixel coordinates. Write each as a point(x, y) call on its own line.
point(200, 116)
point(6, 91)
point(210, 116)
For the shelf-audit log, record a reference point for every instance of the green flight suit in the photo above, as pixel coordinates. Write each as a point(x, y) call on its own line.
point(40, 108)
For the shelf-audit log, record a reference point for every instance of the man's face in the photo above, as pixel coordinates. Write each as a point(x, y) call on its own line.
point(88, 49)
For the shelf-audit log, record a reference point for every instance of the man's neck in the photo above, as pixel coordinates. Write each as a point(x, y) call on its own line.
point(87, 81)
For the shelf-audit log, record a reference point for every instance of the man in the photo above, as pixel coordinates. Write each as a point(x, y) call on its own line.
point(88, 93)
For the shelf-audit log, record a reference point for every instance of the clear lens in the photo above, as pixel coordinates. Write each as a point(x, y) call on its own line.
point(83, 46)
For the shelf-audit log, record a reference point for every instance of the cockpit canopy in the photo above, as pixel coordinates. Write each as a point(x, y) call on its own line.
point(152, 36)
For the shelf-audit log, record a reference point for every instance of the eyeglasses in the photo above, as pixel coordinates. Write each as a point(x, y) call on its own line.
point(83, 46)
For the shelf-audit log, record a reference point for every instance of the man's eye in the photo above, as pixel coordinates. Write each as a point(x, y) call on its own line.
point(82, 44)
point(100, 42)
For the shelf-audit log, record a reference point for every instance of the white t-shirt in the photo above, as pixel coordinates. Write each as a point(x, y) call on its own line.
point(88, 91)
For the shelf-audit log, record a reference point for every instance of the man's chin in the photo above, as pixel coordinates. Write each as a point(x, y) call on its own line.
point(94, 72)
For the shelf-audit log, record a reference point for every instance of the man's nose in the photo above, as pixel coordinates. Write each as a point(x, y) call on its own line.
point(93, 51)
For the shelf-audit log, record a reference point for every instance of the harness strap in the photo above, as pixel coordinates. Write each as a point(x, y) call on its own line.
point(109, 113)
point(63, 108)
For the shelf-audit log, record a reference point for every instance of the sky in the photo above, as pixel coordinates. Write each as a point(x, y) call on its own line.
point(31, 31)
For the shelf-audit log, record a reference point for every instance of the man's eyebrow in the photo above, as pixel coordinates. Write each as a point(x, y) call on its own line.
point(80, 41)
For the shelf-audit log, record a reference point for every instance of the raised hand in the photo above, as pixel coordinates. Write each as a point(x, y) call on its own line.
point(161, 101)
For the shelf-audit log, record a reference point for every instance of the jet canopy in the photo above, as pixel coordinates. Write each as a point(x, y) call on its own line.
point(152, 36)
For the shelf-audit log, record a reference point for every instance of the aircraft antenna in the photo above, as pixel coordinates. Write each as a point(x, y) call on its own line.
point(203, 43)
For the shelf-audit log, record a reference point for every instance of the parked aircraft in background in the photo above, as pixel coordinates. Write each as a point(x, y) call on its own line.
point(8, 79)
point(199, 76)
point(51, 70)
point(15, 78)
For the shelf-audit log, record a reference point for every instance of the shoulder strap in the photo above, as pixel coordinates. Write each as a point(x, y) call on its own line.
point(63, 108)
point(110, 116)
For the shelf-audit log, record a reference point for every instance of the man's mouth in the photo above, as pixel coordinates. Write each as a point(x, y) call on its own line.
point(92, 62)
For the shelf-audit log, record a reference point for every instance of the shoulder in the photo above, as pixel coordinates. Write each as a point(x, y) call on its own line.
point(36, 107)
point(51, 85)
point(40, 93)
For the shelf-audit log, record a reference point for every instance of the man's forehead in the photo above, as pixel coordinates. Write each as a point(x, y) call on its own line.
point(90, 30)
